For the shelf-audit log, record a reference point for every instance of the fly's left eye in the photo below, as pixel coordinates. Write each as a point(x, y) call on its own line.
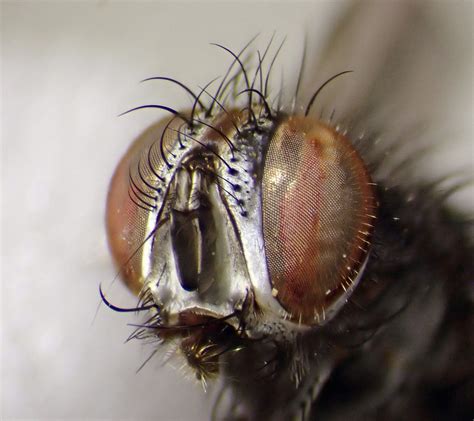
point(318, 208)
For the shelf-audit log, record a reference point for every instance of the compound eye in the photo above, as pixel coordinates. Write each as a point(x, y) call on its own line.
point(318, 211)
point(132, 200)
point(126, 222)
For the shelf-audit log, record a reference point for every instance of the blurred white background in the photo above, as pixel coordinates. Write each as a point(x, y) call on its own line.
point(68, 70)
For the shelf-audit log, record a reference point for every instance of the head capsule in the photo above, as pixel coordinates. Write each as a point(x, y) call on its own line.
point(264, 217)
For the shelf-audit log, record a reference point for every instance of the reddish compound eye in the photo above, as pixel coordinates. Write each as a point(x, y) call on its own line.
point(318, 210)
point(126, 224)
point(131, 207)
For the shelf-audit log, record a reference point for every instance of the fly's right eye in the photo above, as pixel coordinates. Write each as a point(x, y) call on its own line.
point(318, 210)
